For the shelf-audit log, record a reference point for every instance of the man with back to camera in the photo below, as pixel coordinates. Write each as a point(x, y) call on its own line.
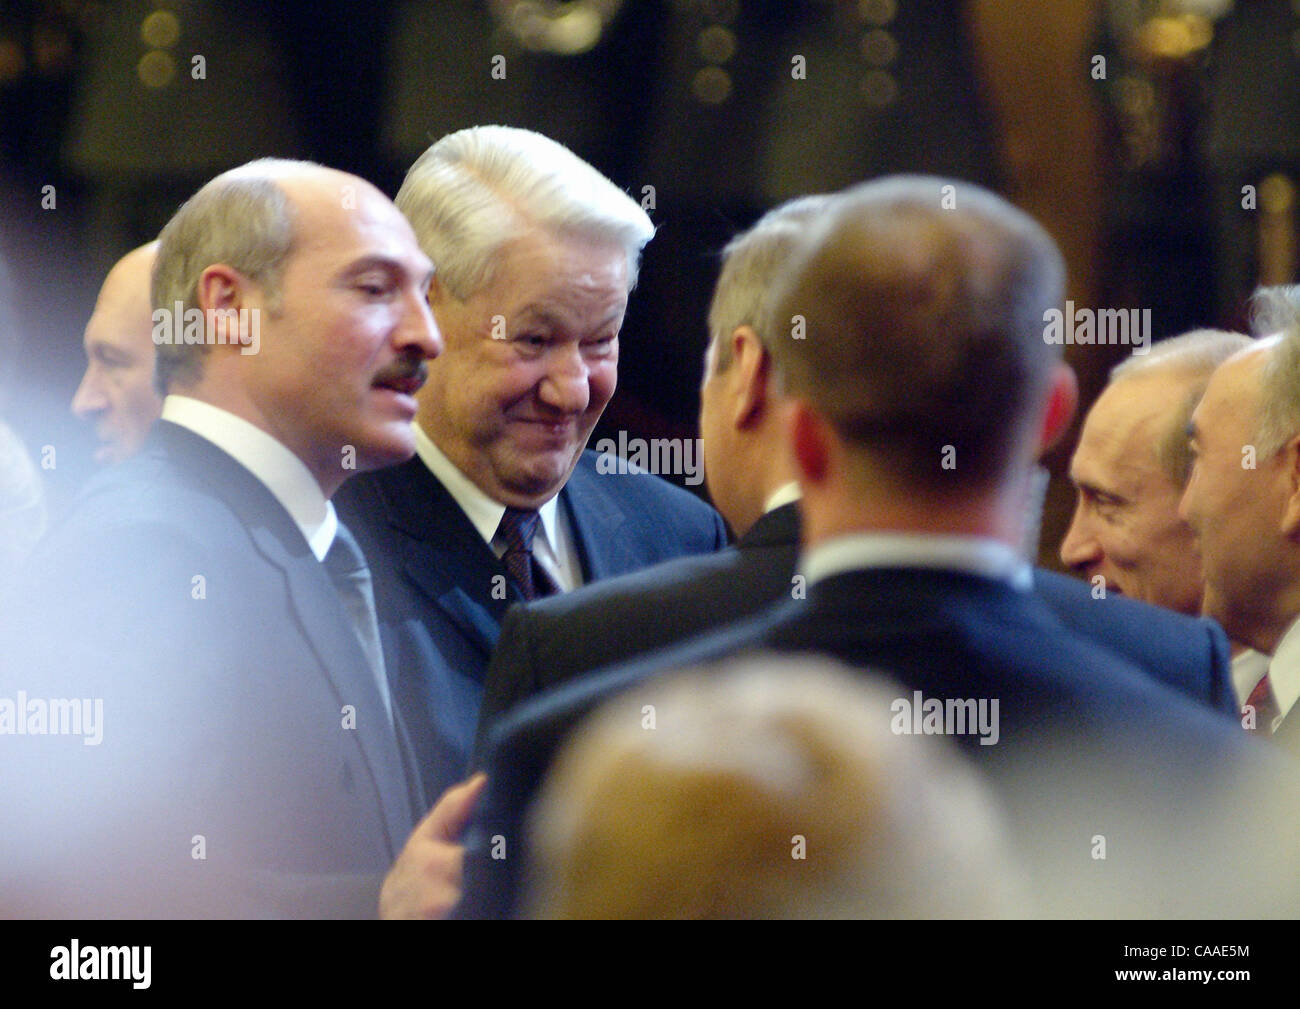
point(921, 394)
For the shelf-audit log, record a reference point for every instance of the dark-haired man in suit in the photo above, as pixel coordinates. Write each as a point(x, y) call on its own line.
point(921, 393)
point(549, 641)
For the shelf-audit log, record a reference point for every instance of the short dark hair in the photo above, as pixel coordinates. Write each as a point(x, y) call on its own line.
point(916, 317)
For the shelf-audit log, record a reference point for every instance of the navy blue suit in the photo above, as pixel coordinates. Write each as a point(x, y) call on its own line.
point(1190, 654)
point(552, 640)
point(1129, 742)
point(549, 641)
point(441, 592)
point(247, 766)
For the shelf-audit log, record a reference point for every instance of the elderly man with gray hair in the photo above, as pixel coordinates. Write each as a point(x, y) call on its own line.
point(1243, 503)
point(535, 254)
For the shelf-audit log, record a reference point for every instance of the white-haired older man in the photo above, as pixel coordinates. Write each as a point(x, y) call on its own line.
point(1243, 502)
point(535, 253)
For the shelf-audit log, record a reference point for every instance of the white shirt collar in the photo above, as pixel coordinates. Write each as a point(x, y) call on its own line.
point(974, 555)
point(283, 473)
point(1284, 670)
point(783, 495)
point(1248, 668)
point(482, 511)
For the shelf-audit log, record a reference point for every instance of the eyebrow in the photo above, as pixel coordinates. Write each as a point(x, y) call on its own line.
point(388, 264)
point(548, 318)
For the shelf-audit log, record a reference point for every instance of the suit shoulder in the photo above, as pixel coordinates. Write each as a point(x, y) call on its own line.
point(637, 490)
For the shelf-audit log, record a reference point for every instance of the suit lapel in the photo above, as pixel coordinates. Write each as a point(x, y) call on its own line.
point(442, 551)
point(317, 610)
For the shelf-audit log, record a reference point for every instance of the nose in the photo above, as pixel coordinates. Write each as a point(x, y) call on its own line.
point(1080, 547)
point(418, 330)
point(1184, 509)
point(89, 398)
point(566, 387)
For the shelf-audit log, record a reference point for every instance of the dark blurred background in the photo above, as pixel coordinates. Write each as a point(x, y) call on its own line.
point(1130, 128)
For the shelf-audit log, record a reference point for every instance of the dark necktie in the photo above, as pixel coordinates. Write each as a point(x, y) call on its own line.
point(350, 573)
point(1265, 705)
point(517, 529)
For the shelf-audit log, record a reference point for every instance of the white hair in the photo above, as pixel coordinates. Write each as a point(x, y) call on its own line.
point(1192, 356)
point(475, 190)
point(1274, 311)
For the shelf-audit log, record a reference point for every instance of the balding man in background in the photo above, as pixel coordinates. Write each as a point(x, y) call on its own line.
point(1130, 468)
point(117, 392)
point(242, 756)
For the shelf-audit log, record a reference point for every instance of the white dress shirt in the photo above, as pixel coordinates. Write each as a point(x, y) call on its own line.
point(1248, 668)
point(553, 547)
point(282, 472)
point(973, 555)
point(783, 495)
point(1284, 670)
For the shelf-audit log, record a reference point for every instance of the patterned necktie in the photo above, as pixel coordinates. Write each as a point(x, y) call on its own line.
point(1265, 705)
point(517, 529)
point(350, 573)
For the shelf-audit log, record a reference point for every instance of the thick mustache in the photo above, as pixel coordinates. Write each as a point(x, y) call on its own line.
point(403, 371)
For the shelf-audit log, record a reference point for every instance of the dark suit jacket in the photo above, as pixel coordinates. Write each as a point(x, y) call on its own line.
point(1190, 654)
point(552, 640)
point(1129, 742)
point(247, 767)
point(441, 592)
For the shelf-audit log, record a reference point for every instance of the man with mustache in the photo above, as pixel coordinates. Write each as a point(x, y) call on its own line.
point(536, 253)
point(251, 762)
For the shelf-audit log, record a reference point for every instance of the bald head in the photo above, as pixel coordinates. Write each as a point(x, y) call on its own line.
point(117, 391)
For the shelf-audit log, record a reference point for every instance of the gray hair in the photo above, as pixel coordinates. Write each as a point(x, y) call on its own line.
point(242, 218)
point(751, 264)
point(1274, 311)
point(1193, 356)
point(477, 189)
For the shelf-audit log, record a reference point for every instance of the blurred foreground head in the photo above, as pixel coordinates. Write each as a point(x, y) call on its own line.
point(766, 788)
point(915, 353)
